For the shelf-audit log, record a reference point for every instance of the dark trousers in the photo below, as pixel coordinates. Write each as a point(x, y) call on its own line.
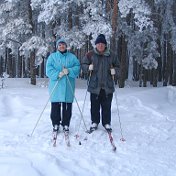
point(61, 113)
point(103, 102)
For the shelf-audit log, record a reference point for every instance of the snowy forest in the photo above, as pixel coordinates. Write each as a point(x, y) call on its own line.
point(141, 34)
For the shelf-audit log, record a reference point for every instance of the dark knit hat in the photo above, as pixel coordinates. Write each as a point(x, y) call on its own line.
point(101, 39)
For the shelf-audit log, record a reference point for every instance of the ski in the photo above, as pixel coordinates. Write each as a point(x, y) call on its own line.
point(109, 135)
point(67, 139)
point(55, 133)
point(77, 138)
point(111, 140)
point(90, 130)
point(66, 136)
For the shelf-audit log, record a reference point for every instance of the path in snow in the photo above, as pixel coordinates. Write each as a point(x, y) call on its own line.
point(149, 149)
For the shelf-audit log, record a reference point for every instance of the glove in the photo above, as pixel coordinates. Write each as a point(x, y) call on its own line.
point(113, 72)
point(61, 74)
point(91, 67)
point(65, 71)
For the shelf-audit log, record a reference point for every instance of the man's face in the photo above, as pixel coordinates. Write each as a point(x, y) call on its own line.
point(62, 47)
point(100, 47)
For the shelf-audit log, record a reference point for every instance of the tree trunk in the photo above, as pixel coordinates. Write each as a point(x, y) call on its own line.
point(32, 54)
point(9, 63)
point(154, 77)
point(145, 72)
point(135, 70)
point(70, 23)
point(165, 64)
point(114, 29)
point(32, 68)
point(140, 75)
point(1, 65)
point(170, 63)
point(122, 64)
point(159, 60)
point(174, 70)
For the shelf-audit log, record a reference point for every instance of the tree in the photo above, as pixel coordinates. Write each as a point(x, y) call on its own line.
point(140, 33)
point(18, 28)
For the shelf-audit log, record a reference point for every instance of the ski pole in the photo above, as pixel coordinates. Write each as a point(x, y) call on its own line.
point(118, 112)
point(44, 108)
point(76, 102)
point(77, 135)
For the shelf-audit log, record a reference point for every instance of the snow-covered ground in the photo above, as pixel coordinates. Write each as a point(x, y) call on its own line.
point(148, 118)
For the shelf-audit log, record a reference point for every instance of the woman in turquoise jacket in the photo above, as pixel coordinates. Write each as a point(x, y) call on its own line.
point(62, 68)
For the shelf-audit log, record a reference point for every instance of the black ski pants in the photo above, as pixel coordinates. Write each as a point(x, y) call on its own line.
point(61, 113)
point(103, 102)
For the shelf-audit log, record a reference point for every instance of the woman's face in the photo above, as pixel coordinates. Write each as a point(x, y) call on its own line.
point(62, 47)
point(100, 47)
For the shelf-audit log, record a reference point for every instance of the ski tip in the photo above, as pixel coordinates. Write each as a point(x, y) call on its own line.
point(114, 149)
point(85, 139)
point(88, 131)
point(77, 136)
point(123, 139)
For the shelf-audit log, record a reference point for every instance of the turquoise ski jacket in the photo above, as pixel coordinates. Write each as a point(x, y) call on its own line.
point(60, 89)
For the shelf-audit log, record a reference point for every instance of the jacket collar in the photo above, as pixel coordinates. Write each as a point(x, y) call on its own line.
point(106, 52)
point(62, 53)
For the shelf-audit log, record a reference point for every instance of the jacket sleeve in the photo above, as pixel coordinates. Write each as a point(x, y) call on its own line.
point(51, 71)
point(75, 69)
point(86, 61)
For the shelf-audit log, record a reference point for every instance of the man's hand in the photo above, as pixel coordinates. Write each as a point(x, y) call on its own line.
point(113, 72)
point(91, 67)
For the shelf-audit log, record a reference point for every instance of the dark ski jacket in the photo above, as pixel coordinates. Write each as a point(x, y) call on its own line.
point(100, 77)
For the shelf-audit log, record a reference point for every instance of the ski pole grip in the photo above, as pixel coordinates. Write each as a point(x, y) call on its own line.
point(90, 74)
point(113, 77)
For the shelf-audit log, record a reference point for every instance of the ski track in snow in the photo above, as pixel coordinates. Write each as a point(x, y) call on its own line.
point(149, 149)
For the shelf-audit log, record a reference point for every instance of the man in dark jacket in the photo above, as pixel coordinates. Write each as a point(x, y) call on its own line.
point(101, 67)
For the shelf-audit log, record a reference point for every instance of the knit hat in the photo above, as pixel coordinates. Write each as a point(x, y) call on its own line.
point(60, 41)
point(101, 39)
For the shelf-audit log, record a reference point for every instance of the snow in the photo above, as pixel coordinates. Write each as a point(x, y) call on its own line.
point(148, 118)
